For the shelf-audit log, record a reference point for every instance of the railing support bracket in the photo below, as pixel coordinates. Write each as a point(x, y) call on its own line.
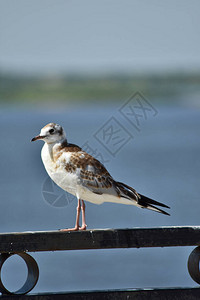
point(193, 264)
point(32, 277)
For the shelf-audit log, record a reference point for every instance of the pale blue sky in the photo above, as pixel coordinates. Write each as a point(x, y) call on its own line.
point(103, 36)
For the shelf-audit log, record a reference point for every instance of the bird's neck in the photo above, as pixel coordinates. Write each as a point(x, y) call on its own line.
point(52, 148)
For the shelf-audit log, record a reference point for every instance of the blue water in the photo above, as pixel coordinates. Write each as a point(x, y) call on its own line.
point(160, 160)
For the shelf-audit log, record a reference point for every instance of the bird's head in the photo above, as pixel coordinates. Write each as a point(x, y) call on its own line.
point(51, 133)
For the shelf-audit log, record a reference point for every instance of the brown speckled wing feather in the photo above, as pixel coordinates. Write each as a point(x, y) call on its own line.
point(93, 175)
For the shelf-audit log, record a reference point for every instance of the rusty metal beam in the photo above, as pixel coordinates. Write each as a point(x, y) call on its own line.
point(100, 239)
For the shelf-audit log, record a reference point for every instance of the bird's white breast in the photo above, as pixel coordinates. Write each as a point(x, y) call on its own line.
point(56, 169)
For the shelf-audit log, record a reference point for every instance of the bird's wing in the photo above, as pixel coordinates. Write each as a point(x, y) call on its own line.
point(94, 176)
point(91, 172)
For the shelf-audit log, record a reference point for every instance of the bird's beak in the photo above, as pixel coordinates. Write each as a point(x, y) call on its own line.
point(38, 137)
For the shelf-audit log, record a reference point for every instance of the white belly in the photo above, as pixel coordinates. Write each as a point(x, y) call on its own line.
point(66, 181)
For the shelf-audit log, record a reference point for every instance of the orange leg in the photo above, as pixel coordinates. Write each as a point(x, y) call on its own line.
point(84, 226)
point(77, 227)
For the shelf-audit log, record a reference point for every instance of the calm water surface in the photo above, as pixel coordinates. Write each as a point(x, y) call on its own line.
point(161, 161)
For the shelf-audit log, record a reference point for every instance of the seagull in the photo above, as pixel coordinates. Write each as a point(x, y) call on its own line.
point(82, 175)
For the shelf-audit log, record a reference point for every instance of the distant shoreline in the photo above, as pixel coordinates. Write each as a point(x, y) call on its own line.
point(76, 88)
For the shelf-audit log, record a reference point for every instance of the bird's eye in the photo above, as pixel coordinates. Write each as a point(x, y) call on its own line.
point(51, 131)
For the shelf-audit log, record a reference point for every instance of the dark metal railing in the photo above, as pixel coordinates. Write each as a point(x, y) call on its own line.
point(21, 243)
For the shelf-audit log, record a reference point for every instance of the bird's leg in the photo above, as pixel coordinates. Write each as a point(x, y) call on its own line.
point(76, 228)
point(78, 215)
point(84, 226)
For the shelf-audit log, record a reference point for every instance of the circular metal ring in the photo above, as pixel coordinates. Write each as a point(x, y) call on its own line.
point(32, 277)
point(193, 264)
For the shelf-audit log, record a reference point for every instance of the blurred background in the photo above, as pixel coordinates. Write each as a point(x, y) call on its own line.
point(133, 66)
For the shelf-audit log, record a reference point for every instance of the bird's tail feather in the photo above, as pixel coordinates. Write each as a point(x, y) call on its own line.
point(148, 205)
point(128, 192)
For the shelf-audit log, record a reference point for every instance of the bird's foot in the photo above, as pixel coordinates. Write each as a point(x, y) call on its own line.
point(70, 229)
point(83, 227)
